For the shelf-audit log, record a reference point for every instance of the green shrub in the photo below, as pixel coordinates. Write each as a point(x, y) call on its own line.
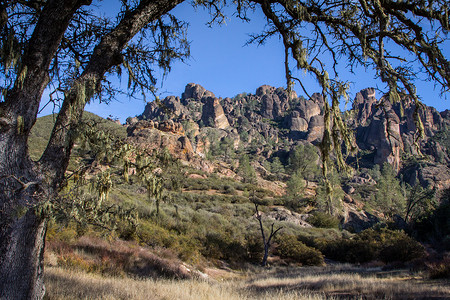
point(152, 234)
point(188, 249)
point(440, 270)
point(227, 189)
point(397, 246)
point(323, 220)
point(290, 247)
point(384, 244)
point(254, 247)
point(350, 250)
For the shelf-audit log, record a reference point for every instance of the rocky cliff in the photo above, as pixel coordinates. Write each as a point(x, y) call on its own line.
point(269, 123)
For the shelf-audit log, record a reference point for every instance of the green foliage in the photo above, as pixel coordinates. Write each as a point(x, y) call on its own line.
point(295, 185)
point(384, 244)
point(40, 133)
point(102, 185)
point(290, 247)
point(443, 137)
point(254, 247)
point(375, 172)
point(304, 160)
point(330, 193)
point(435, 228)
point(397, 246)
point(276, 166)
point(420, 203)
point(389, 198)
point(323, 220)
point(246, 170)
point(224, 148)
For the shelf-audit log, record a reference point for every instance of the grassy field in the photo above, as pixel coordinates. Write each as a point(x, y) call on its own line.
point(335, 282)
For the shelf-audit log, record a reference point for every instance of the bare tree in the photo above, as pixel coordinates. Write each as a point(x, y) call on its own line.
point(266, 241)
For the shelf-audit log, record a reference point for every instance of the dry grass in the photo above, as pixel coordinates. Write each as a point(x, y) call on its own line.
point(342, 282)
point(63, 284)
point(348, 282)
point(116, 258)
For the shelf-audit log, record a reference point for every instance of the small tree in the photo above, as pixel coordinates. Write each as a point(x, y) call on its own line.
point(276, 166)
point(246, 170)
point(266, 241)
point(330, 193)
point(295, 185)
point(304, 160)
point(389, 198)
point(420, 203)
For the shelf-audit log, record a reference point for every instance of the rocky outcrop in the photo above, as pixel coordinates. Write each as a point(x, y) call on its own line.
point(263, 119)
point(308, 109)
point(356, 220)
point(428, 174)
point(213, 114)
point(194, 91)
point(383, 133)
point(155, 136)
point(363, 104)
point(282, 214)
point(316, 128)
point(390, 129)
point(296, 123)
point(265, 89)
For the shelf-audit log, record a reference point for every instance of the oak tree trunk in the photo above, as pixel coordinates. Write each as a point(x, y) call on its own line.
point(24, 184)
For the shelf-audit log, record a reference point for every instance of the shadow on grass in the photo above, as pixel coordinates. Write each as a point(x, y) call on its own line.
point(349, 282)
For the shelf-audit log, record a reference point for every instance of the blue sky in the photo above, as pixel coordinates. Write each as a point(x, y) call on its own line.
point(222, 63)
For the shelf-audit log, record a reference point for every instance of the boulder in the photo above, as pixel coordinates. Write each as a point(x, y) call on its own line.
point(268, 105)
point(193, 91)
point(308, 109)
point(265, 89)
point(213, 114)
point(282, 214)
point(153, 139)
point(318, 99)
point(296, 123)
point(171, 126)
point(170, 107)
point(356, 220)
point(131, 121)
point(316, 127)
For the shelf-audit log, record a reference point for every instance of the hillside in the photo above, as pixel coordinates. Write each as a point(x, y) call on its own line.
point(269, 124)
point(213, 159)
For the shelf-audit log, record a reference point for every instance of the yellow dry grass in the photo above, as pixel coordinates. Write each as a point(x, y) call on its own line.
point(286, 284)
point(65, 284)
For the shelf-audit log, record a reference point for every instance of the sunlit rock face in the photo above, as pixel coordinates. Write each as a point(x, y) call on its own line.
point(213, 114)
point(271, 121)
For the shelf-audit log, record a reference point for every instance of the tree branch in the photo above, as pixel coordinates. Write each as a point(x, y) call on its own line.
point(107, 53)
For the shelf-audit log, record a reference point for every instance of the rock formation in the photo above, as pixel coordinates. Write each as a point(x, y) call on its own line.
point(153, 135)
point(213, 114)
point(269, 118)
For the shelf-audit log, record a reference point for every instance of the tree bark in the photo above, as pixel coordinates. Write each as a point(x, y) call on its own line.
point(22, 230)
point(25, 184)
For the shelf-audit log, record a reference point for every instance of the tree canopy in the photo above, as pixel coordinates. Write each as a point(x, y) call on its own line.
point(65, 47)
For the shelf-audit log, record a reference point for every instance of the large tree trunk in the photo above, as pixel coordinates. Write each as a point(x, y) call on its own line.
point(22, 266)
point(24, 185)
